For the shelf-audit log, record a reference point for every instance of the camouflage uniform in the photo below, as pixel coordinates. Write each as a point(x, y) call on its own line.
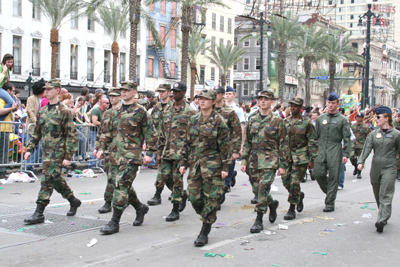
point(56, 129)
point(361, 132)
point(144, 103)
point(171, 138)
point(233, 123)
point(209, 147)
point(263, 153)
point(302, 147)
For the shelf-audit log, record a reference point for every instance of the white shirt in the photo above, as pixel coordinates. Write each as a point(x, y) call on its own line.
point(239, 112)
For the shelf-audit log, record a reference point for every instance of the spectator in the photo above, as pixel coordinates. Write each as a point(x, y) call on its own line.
point(314, 117)
point(44, 101)
point(68, 100)
point(89, 102)
point(84, 94)
point(246, 113)
point(195, 103)
point(63, 91)
point(78, 113)
point(7, 65)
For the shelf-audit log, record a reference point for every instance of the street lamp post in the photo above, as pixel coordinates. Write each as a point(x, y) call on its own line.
point(261, 22)
point(29, 83)
point(369, 14)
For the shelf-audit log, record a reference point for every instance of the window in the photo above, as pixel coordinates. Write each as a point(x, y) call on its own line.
point(246, 43)
point(258, 43)
point(173, 39)
point(203, 39)
point(202, 74)
point(74, 62)
point(17, 54)
point(228, 43)
point(161, 72)
point(74, 20)
point(122, 60)
point(35, 12)
point(163, 7)
point(17, 7)
point(212, 73)
point(150, 67)
point(245, 89)
point(213, 43)
point(173, 69)
point(221, 24)
point(257, 86)
point(258, 61)
point(151, 8)
point(229, 25)
point(107, 65)
point(90, 25)
point(221, 41)
point(162, 35)
point(246, 64)
point(174, 9)
point(90, 60)
point(235, 67)
point(214, 21)
point(35, 57)
point(150, 37)
point(235, 41)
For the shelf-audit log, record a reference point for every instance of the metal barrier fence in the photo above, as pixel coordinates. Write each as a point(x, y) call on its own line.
point(12, 142)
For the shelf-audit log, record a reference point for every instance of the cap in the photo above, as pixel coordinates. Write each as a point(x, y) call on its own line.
point(230, 89)
point(382, 110)
point(54, 83)
point(129, 85)
point(114, 91)
point(163, 87)
point(150, 93)
point(196, 96)
point(359, 114)
point(209, 94)
point(179, 86)
point(143, 101)
point(333, 96)
point(297, 101)
point(99, 90)
point(219, 89)
point(266, 93)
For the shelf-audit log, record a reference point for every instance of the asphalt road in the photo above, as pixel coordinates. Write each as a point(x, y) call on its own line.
point(314, 238)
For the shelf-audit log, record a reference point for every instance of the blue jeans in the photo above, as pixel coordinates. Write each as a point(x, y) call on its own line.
point(92, 138)
point(342, 174)
point(82, 143)
point(153, 162)
point(228, 179)
point(9, 101)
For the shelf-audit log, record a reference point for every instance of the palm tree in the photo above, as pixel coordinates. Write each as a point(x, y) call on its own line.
point(113, 18)
point(339, 48)
point(225, 56)
point(311, 47)
point(395, 84)
point(284, 31)
point(196, 46)
point(58, 11)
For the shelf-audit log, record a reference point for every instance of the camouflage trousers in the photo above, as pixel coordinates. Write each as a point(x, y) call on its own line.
point(52, 180)
point(291, 181)
point(122, 177)
point(159, 184)
point(108, 193)
point(204, 194)
point(354, 154)
point(261, 181)
point(172, 178)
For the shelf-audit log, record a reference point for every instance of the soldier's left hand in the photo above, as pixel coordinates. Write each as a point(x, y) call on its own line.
point(66, 162)
point(344, 160)
point(281, 171)
point(311, 165)
point(224, 174)
point(147, 160)
point(235, 156)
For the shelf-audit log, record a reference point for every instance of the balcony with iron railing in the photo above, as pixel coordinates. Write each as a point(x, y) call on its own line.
point(58, 73)
point(35, 71)
point(74, 74)
point(121, 78)
point(16, 69)
point(106, 76)
point(90, 77)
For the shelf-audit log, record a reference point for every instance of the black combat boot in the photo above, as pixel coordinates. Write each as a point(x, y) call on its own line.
point(182, 206)
point(311, 174)
point(222, 199)
point(272, 211)
point(202, 239)
point(141, 210)
point(156, 200)
point(300, 206)
point(174, 215)
point(291, 214)
point(355, 171)
point(359, 174)
point(75, 204)
point(258, 224)
point(233, 180)
point(113, 226)
point(37, 216)
point(379, 226)
point(106, 207)
point(254, 200)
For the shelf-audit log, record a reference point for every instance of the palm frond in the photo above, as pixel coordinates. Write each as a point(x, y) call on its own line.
point(113, 18)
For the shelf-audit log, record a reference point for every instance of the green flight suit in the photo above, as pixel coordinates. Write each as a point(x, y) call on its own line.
point(331, 130)
point(386, 146)
point(397, 126)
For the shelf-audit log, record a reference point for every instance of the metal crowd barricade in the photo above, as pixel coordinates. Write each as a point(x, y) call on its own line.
point(12, 140)
point(35, 159)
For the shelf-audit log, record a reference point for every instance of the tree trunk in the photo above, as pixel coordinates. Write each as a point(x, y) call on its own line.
point(134, 19)
point(223, 79)
point(307, 70)
point(332, 71)
point(186, 27)
point(193, 68)
point(115, 52)
point(54, 50)
point(281, 75)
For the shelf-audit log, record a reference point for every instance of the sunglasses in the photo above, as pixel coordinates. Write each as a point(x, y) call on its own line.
point(379, 117)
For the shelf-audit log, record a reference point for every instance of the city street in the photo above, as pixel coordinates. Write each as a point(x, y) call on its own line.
point(314, 238)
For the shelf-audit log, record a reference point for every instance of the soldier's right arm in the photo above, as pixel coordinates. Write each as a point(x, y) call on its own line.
point(106, 135)
point(247, 144)
point(312, 139)
point(368, 145)
point(185, 150)
point(161, 137)
point(36, 136)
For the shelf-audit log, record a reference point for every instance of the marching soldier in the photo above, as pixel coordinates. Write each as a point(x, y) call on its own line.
point(264, 153)
point(156, 116)
point(56, 129)
point(302, 148)
point(331, 127)
point(207, 145)
point(129, 126)
point(361, 131)
point(171, 138)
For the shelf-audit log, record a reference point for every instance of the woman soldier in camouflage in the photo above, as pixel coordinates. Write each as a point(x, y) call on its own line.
point(207, 145)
